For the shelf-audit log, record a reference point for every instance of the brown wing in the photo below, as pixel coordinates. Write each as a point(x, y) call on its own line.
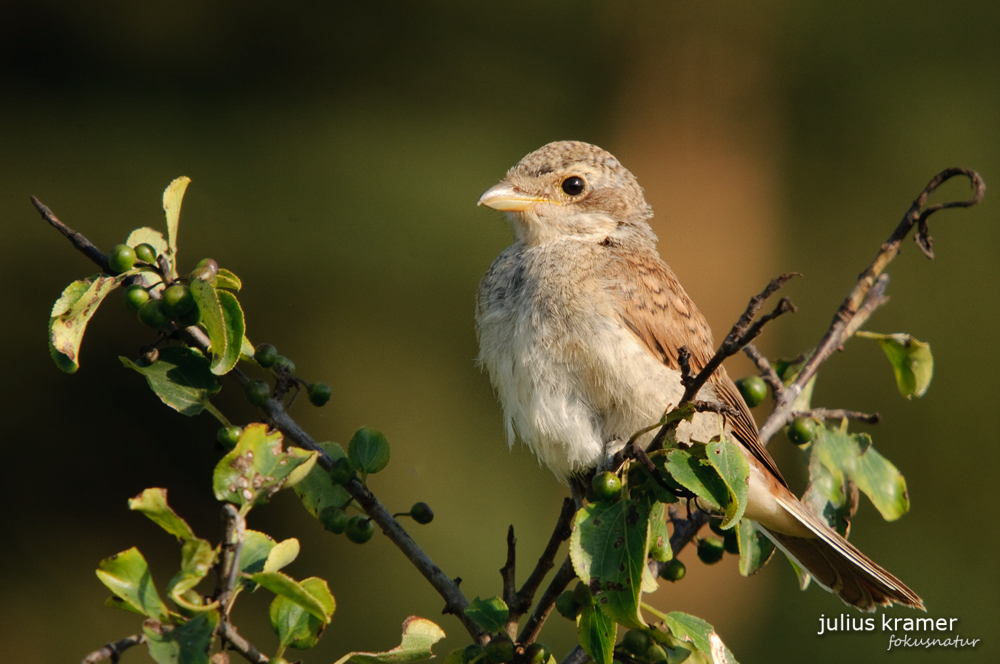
point(659, 312)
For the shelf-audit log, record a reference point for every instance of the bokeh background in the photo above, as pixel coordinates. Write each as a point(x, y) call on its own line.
point(337, 151)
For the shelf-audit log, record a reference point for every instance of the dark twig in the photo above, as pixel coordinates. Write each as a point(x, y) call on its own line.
point(229, 563)
point(767, 372)
point(576, 656)
point(241, 645)
point(843, 324)
point(840, 414)
point(81, 243)
point(114, 650)
point(507, 574)
point(522, 600)
point(542, 610)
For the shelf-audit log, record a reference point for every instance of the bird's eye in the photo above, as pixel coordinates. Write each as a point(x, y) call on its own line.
point(573, 185)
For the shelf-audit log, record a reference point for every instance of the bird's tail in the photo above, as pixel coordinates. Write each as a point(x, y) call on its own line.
point(839, 566)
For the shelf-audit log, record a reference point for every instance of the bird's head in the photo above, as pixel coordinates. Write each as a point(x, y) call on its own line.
point(569, 188)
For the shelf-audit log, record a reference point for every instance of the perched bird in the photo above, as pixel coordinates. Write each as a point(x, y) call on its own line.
point(579, 325)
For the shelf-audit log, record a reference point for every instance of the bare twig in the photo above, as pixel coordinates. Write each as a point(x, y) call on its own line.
point(548, 599)
point(844, 323)
point(522, 600)
point(576, 656)
point(840, 414)
point(114, 650)
point(229, 563)
point(767, 372)
point(82, 244)
point(228, 632)
point(507, 574)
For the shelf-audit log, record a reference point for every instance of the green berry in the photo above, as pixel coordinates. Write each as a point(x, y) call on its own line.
point(673, 570)
point(190, 318)
point(283, 362)
point(265, 355)
point(122, 258)
point(472, 652)
point(710, 550)
point(636, 642)
point(583, 595)
point(716, 526)
point(500, 649)
point(257, 392)
point(802, 430)
point(334, 519)
point(203, 274)
point(422, 513)
point(146, 252)
point(229, 436)
point(731, 542)
point(135, 297)
point(319, 394)
point(360, 529)
point(753, 389)
point(606, 485)
point(152, 314)
point(177, 300)
point(567, 606)
point(655, 653)
point(536, 653)
point(209, 263)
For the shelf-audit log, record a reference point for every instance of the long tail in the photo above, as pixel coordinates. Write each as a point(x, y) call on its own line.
point(839, 566)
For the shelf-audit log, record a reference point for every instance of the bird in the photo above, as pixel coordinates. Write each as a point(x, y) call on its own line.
point(580, 323)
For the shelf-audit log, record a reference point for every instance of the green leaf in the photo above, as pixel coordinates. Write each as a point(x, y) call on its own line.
point(281, 584)
point(317, 491)
point(153, 503)
point(172, 197)
point(197, 558)
point(659, 536)
point(71, 313)
point(854, 456)
point(755, 548)
point(911, 361)
point(419, 634)
point(692, 470)
point(734, 470)
point(368, 450)
point(597, 633)
point(256, 548)
point(282, 555)
point(831, 495)
point(296, 627)
point(490, 614)
point(181, 378)
point(232, 314)
point(127, 575)
point(226, 279)
point(186, 644)
point(211, 317)
point(608, 549)
point(257, 467)
point(788, 371)
point(701, 635)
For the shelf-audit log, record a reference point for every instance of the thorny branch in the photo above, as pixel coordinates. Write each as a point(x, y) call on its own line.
point(114, 650)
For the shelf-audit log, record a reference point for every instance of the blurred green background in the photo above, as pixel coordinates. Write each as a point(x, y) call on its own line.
point(337, 151)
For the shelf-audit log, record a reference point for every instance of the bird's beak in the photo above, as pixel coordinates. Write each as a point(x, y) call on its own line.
point(506, 198)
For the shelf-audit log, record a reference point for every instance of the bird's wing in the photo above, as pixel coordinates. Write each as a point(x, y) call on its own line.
point(655, 307)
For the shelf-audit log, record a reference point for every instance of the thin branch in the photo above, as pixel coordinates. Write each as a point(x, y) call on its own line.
point(229, 563)
point(576, 656)
point(522, 600)
point(840, 414)
point(114, 650)
point(844, 323)
point(228, 632)
point(542, 610)
point(767, 372)
point(81, 243)
point(507, 574)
